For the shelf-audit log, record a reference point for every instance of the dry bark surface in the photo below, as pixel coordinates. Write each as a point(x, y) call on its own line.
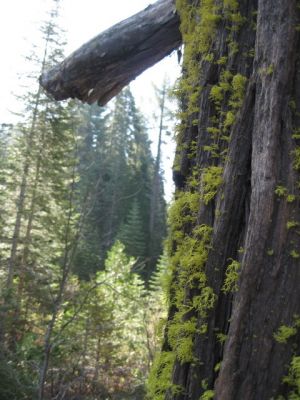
point(100, 69)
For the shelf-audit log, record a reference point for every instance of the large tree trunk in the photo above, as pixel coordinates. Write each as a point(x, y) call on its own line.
point(100, 69)
point(254, 216)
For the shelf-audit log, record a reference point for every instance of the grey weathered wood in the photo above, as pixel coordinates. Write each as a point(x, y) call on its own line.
point(99, 69)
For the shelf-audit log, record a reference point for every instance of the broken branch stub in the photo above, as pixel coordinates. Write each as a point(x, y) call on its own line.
point(99, 69)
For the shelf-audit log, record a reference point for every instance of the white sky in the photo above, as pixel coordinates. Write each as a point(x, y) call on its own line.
point(81, 19)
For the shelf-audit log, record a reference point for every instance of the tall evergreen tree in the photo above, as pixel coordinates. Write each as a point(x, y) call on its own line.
point(42, 227)
point(131, 232)
point(93, 172)
point(116, 176)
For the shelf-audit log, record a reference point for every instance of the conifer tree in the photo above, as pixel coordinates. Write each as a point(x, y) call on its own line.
point(41, 234)
point(116, 171)
point(131, 232)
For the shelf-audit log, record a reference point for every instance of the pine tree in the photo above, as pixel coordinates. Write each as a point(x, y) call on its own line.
point(116, 170)
point(157, 220)
point(42, 231)
point(93, 162)
point(131, 232)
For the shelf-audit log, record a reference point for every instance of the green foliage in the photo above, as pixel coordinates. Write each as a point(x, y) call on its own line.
point(281, 191)
point(205, 301)
point(293, 379)
point(189, 259)
point(270, 69)
point(238, 90)
point(15, 384)
point(296, 133)
point(294, 254)
point(183, 211)
point(117, 172)
point(229, 120)
point(110, 315)
point(198, 38)
point(290, 198)
point(284, 333)
point(217, 367)
point(221, 337)
point(180, 337)
point(222, 60)
point(218, 92)
point(211, 181)
point(190, 244)
point(207, 395)
point(296, 154)
point(69, 177)
point(159, 381)
point(231, 277)
point(131, 232)
point(292, 224)
point(234, 86)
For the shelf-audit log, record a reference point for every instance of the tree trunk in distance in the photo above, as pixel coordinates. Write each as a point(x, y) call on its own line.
point(100, 69)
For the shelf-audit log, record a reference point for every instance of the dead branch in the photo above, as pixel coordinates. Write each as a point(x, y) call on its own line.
point(99, 69)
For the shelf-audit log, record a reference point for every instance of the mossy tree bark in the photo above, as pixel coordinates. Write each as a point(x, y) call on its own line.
point(255, 213)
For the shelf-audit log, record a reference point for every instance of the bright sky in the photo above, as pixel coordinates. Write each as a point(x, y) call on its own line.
point(81, 19)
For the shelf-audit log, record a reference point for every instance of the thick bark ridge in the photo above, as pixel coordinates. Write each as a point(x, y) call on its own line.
point(253, 362)
point(100, 69)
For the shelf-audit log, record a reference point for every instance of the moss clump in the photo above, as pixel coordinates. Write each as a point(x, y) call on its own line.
point(183, 211)
point(211, 181)
point(221, 337)
point(207, 395)
point(295, 254)
point(205, 301)
point(293, 379)
point(238, 90)
point(281, 191)
point(159, 381)
point(290, 198)
point(270, 70)
point(229, 120)
point(187, 263)
point(232, 86)
point(180, 336)
point(292, 224)
point(217, 93)
point(198, 27)
point(222, 60)
point(296, 134)
point(296, 154)
point(231, 277)
point(217, 367)
point(284, 333)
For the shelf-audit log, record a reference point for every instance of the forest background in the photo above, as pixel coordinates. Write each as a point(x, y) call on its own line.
point(83, 220)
